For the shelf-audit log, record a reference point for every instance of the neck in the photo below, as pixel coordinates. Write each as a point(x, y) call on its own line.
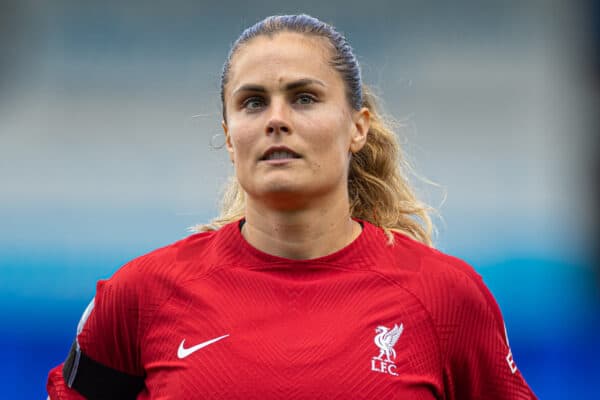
point(299, 234)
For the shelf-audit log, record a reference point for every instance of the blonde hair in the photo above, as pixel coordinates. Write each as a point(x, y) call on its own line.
point(378, 186)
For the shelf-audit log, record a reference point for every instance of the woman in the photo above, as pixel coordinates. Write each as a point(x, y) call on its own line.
point(318, 279)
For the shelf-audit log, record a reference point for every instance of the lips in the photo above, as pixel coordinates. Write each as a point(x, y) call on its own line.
point(279, 153)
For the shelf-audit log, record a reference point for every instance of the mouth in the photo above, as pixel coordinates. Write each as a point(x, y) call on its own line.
point(279, 153)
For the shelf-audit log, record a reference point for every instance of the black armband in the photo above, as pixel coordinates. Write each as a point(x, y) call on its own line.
point(96, 381)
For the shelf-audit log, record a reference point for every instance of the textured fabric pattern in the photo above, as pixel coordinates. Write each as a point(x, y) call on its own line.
point(300, 329)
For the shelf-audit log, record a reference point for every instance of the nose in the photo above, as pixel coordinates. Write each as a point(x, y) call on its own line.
point(278, 121)
point(277, 126)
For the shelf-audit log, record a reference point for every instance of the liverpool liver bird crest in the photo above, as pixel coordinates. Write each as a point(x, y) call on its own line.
point(386, 340)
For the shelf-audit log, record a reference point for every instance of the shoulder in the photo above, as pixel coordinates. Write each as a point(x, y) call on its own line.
point(476, 358)
point(461, 307)
point(434, 265)
point(143, 284)
point(446, 285)
point(184, 259)
point(138, 288)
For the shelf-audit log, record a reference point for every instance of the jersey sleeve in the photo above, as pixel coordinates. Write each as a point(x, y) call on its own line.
point(479, 363)
point(107, 334)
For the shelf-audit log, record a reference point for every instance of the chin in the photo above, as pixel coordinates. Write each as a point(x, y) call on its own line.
point(264, 185)
point(281, 190)
point(279, 194)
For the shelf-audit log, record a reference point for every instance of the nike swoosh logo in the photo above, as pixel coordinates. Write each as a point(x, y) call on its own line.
point(182, 352)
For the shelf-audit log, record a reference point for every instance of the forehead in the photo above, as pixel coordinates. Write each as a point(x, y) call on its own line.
point(280, 58)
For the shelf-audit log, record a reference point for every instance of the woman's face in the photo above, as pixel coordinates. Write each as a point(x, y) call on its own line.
point(289, 128)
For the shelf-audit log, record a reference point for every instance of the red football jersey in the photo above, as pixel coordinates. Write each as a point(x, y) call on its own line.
point(212, 317)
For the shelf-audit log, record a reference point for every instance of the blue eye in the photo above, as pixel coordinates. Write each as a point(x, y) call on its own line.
point(305, 99)
point(253, 103)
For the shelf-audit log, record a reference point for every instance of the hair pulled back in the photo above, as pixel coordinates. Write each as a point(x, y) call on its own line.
point(378, 189)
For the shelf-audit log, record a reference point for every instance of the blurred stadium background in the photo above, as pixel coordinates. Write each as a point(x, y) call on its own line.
point(109, 113)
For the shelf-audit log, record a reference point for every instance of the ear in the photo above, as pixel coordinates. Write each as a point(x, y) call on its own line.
point(362, 122)
point(228, 144)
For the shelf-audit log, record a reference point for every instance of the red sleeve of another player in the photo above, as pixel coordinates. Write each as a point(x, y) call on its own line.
point(108, 334)
point(479, 362)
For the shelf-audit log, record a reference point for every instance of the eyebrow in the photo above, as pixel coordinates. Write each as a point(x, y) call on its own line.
point(290, 86)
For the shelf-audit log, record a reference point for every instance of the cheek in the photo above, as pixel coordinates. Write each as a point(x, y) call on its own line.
point(334, 136)
point(241, 140)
